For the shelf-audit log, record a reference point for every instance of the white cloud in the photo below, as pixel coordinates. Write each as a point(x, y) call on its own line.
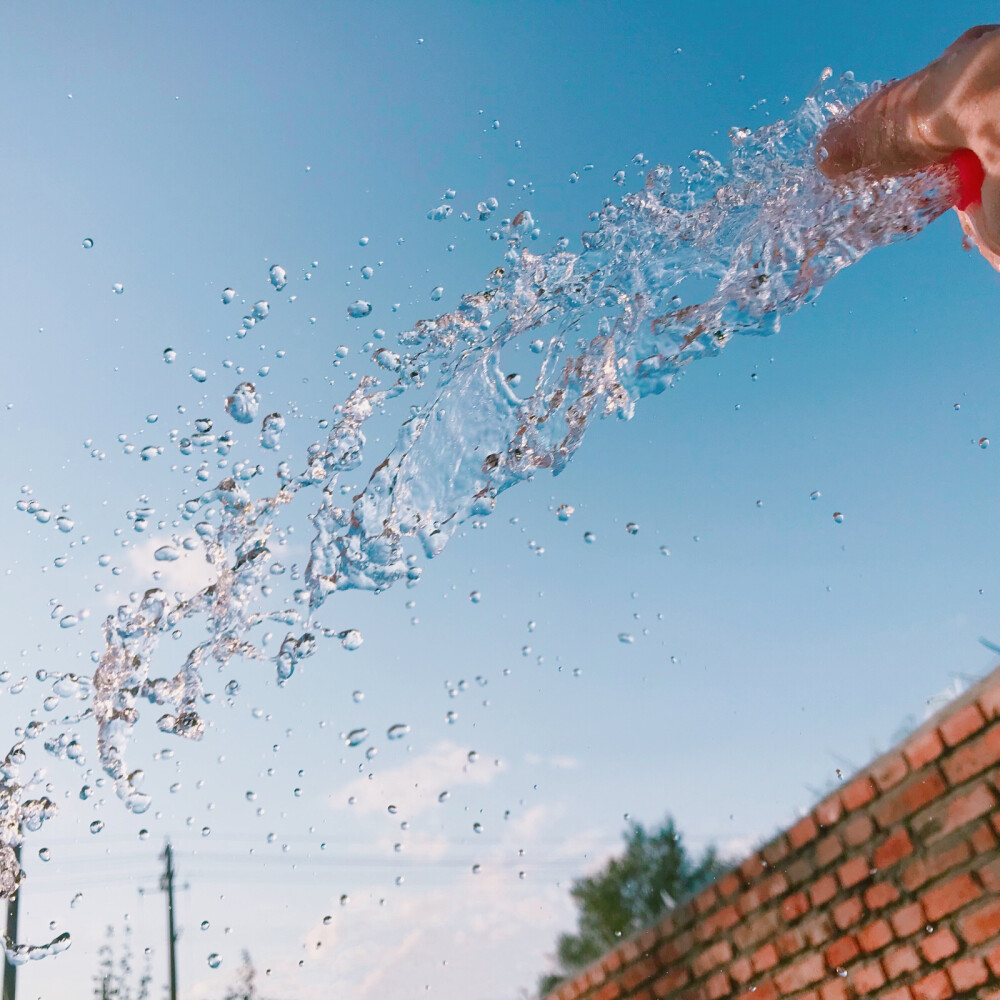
point(415, 785)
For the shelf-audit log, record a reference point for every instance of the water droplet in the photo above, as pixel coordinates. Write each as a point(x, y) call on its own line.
point(199, 374)
point(118, 288)
point(356, 736)
point(664, 551)
point(228, 294)
point(367, 271)
point(205, 925)
point(477, 827)
point(359, 309)
point(564, 512)
point(984, 442)
point(632, 528)
point(88, 243)
point(815, 495)
point(475, 596)
point(167, 553)
point(350, 638)
point(436, 293)
point(214, 961)
point(277, 276)
point(838, 517)
point(45, 854)
point(169, 355)
point(398, 731)
point(261, 310)
point(440, 213)
point(444, 796)
point(589, 537)
point(626, 638)
point(64, 524)
point(244, 403)
point(96, 826)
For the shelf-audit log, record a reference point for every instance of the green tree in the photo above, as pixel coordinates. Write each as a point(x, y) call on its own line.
point(631, 892)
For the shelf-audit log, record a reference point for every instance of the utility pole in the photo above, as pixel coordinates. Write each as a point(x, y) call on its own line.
point(167, 885)
point(10, 970)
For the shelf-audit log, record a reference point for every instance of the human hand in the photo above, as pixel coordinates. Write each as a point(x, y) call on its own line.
point(952, 104)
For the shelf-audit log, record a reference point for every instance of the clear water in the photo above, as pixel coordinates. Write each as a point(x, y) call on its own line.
point(667, 275)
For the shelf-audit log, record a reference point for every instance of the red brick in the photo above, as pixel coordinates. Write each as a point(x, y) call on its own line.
point(803, 831)
point(967, 973)
point(803, 973)
point(609, 991)
point(952, 895)
point(895, 847)
point(763, 892)
point(647, 939)
point(765, 958)
point(823, 890)
point(611, 962)
point(983, 838)
point(914, 794)
point(941, 944)
point(889, 771)
point(936, 986)
point(639, 972)
point(881, 894)
point(710, 958)
point(848, 912)
point(842, 951)
point(828, 849)
point(944, 818)
point(752, 868)
point(795, 906)
point(799, 871)
point(705, 900)
point(900, 960)
point(961, 725)
point(857, 794)
point(789, 943)
point(933, 864)
point(858, 830)
point(901, 993)
point(728, 885)
point(908, 920)
point(875, 936)
point(594, 976)
point(718, 986)
point(677, 947)
point(776, 851)
point(989, 874)
point(923, 749)
point(756, 929)
point(834, 989)
point(852, 872)
point(741, 970)
point(671, 982)
point(762, 991)
point(973, 757)
point(989, 701)
point(629, 951)
point(817, 929)
point(867, 978)
point(993, 960)
point(829, 811)
point(721, 920)
point(981, 924)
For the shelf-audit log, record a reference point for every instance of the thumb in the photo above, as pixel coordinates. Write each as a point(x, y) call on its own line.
point(880, 136)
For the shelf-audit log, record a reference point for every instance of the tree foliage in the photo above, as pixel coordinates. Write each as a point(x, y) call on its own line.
point(629, 893)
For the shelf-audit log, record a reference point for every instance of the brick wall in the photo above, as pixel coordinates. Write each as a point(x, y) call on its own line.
point(888, 889)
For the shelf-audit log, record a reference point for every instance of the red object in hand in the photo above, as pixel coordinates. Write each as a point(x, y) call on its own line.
point(970, 178)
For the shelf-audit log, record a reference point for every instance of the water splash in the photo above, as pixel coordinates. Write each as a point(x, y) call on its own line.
point(748, 242)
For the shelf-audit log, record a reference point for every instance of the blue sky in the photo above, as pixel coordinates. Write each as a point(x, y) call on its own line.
point(198, 147)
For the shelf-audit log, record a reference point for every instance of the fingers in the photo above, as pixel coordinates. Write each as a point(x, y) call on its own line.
point(981, 222)
point(881, 135)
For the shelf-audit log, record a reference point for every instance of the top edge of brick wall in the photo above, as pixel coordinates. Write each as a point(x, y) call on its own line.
point(952, 724)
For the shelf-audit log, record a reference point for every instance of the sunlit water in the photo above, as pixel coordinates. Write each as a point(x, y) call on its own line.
point(667, 275)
